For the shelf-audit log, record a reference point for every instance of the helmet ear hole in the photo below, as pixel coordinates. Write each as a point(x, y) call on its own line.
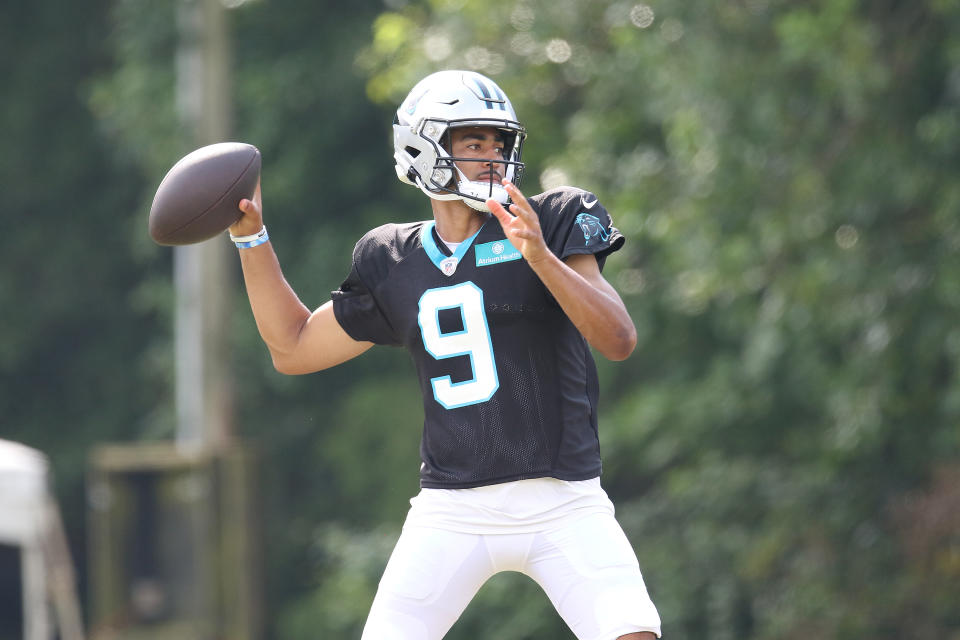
point(413, 152)
point(442, 176)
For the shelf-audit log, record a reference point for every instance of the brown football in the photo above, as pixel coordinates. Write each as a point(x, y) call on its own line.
point(198, 197)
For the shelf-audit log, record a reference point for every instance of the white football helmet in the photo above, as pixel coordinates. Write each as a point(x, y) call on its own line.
point(438, 103)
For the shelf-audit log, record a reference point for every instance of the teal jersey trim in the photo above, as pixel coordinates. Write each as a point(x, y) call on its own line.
point(446, 264)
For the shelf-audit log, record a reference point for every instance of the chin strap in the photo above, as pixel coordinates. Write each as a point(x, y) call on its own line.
point(482, 191)
point(474, 194)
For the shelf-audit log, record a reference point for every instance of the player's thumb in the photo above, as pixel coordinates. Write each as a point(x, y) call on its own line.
point(252, 206)
point(250, 220)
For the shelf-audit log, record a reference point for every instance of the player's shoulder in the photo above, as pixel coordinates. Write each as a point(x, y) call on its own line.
point(392, 239)
point(574, 221)
point(384, 247)
point(562, 200)
point(561, 208)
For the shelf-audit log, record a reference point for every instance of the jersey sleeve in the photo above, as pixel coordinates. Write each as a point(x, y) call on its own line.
point(354, 303)
point(574, 222)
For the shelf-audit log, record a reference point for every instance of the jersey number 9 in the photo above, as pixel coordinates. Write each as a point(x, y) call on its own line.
point(473, 341)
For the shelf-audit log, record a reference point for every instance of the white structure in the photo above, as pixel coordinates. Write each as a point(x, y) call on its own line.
point(30, 520)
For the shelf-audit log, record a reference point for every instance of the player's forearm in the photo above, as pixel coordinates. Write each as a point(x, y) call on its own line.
point(278, 312)
point(594, 308)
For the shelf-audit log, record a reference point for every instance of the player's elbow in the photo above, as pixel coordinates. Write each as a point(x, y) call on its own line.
point(286, 365)
point(620, 353)
point(623, 344)
point(282, 366)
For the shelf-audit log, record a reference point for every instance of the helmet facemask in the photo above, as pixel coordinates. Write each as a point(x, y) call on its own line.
point(475, 193)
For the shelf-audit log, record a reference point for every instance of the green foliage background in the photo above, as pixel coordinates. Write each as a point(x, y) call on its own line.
point(783, 447)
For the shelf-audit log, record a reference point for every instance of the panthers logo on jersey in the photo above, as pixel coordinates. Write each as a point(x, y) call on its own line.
point(591, 228)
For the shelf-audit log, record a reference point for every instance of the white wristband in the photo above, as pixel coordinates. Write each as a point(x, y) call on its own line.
point(250, 238)
point(248, 242)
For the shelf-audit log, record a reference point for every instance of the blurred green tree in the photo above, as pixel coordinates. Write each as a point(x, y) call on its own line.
point(76, 361)
point(786, 175)
point(783, 447)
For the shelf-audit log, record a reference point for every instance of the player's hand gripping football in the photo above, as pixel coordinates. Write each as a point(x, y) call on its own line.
point(521, 225)
point(252, 219)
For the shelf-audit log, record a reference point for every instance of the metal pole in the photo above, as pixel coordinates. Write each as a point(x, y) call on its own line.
point(201, 272)
point(36, 618)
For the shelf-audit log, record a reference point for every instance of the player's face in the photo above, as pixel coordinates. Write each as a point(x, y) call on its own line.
point(484, 144)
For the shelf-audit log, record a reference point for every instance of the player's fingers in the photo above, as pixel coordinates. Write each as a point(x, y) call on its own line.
point(520, 206)
point(525, 233)
point(499, 212)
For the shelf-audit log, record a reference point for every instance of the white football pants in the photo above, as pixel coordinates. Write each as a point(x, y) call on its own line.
point(581, 559)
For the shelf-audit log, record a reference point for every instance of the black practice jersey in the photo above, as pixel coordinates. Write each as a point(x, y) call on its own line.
point(509, 384)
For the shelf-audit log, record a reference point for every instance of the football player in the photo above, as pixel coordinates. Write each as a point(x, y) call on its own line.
point(499, 299)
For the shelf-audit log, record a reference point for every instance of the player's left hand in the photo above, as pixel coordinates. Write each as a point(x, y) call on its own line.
point(521, 225)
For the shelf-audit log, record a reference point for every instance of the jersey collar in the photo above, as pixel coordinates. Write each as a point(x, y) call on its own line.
point(446, 264)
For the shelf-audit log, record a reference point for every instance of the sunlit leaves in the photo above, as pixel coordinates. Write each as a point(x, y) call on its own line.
point(785, 177)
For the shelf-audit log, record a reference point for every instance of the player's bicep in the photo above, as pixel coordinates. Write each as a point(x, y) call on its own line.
point(322, 344)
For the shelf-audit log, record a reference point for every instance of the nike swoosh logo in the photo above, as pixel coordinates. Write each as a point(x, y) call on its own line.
point(589, 205)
